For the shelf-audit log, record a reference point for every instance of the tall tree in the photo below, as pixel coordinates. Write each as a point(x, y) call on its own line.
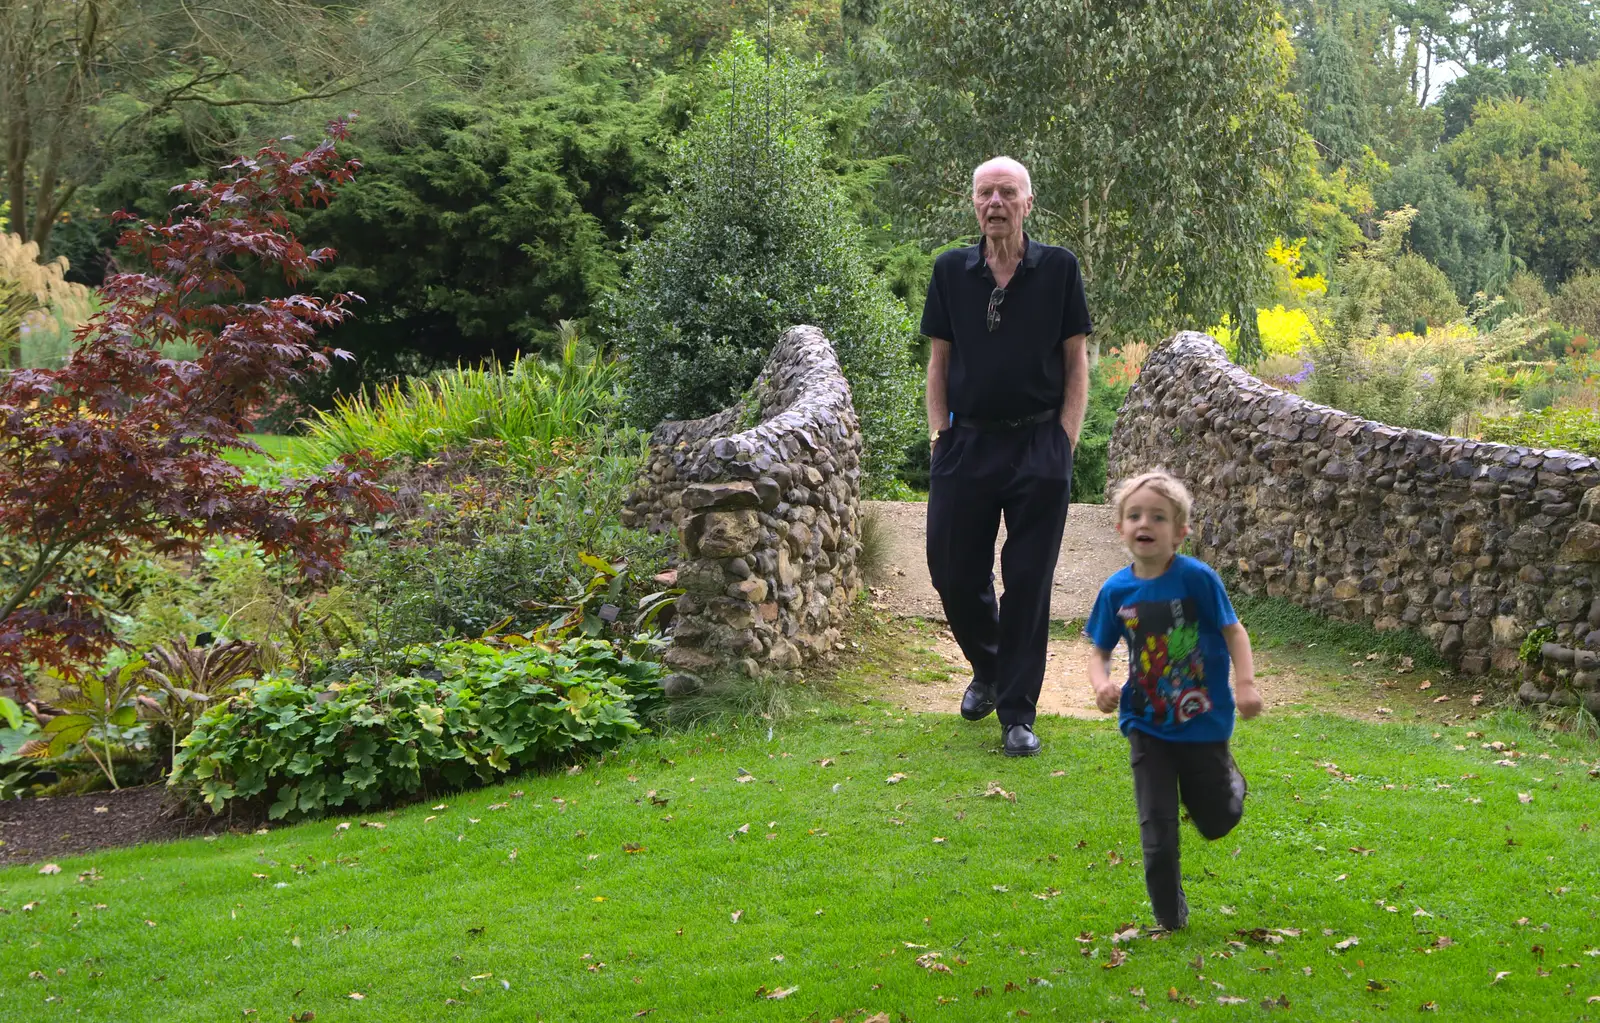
point(1160, 135)
point(78, 75)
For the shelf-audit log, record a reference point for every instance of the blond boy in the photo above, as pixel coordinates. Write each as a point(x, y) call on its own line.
point(1176, 708)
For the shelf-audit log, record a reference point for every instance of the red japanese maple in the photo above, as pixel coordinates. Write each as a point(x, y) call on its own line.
point(121, 447)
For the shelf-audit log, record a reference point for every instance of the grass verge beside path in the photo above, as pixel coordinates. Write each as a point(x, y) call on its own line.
point(659, 883)
point(275, 448)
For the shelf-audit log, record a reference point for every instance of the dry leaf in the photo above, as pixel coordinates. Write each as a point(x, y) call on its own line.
point(632, 847)
point(49, 868)
point(1347, 943)
point(736, 914)
point(895, 778)
point(938, 840)
point(1117, 958)
point(356, 996)
point(1230, 1000)
point(783, 992)
point(994, 789)
point(1425, 684)
point(1524, 797)
point(378, 825)
point(1502, 975)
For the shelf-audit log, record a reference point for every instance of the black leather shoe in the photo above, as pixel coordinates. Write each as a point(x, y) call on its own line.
point(977, 702)
point(1019, 741)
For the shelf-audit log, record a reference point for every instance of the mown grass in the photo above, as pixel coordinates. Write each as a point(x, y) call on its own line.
point(815, 874)
point(276, 449)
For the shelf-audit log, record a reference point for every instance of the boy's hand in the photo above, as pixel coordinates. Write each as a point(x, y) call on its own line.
point(1107, 697)
point(1247, 698)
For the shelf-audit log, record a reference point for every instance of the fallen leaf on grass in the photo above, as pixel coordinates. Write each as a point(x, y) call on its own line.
point(356, 996)
point(49, 868)
point(736, 914)
point(782, 993)
point(1226, 910)
point(994, 789)
point(938, 840)
point(1502, 975)
point(1347, 943)
point(895, 778)
point(1524, 797)
point(377, 825)
point(498, 806)
point(1377, 985)
point(1118, 938)
point(1117, 958)
point(1428, 1007)
point(632, 847)
point(1230, 1000)
point(1425, 684)
point(1058, 774)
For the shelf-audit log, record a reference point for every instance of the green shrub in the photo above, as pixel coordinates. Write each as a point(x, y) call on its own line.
point(475, 542)
point(458, 713)
point(527, 407)
point(1569, 429)
point(758, 238)
point(1090, 461)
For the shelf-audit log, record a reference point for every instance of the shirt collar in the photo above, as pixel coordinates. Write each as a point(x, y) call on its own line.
point(1031, 251)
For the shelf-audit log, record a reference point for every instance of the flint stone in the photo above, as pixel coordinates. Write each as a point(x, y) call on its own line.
point(729, 534)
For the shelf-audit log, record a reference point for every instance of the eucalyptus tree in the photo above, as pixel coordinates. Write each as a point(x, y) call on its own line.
point(1162, 141)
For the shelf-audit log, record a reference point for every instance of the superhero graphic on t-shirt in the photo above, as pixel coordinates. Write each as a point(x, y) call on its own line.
point(1164, 663)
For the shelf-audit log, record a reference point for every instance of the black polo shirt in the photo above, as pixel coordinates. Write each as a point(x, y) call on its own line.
point(1017, 369)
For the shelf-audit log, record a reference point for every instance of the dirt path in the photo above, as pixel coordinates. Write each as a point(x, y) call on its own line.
point(1090, 552)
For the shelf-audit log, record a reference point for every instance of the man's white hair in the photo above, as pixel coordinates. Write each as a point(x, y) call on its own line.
point(1006, 163)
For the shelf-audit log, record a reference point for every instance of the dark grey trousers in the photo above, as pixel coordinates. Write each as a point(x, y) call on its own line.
point(1204, 777)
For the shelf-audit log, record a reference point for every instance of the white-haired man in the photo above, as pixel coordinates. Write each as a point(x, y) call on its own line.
point(1008, 382)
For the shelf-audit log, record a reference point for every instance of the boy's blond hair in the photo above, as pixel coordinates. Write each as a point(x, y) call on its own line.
point(1164, 484)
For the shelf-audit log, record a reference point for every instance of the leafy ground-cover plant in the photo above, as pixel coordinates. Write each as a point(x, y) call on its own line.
point(457, 713)
point(123, 447)
point(1568, 429)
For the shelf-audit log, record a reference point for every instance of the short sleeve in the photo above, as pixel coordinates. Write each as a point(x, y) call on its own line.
point(1075, 314)
point(935, 315)
point(1216, 609)
point(1103, 628)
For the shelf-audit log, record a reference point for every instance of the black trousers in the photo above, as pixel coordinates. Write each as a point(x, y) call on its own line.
point(1201, 774)
point(978, 476)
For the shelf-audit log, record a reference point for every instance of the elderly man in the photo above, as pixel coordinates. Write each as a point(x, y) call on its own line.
point(1008, 381)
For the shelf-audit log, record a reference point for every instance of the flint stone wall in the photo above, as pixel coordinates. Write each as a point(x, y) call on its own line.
point(768, 517)
point(1472, 544)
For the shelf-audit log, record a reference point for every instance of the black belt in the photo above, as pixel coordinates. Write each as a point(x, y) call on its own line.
point(1005, 424)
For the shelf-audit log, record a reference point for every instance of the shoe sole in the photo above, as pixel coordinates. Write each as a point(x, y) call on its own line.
point(1020, 752)
point(980, 717)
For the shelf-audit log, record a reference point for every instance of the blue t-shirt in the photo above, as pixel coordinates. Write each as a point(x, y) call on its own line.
point(1177, 686)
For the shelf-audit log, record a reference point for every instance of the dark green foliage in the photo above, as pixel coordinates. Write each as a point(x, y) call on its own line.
point(474, 235)
point(1452, 230)
point(1090, 459)
point(1328, 81)
point(456, 714)
point(757, 238)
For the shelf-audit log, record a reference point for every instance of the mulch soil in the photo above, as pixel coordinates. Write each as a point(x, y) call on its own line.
point(38, 829)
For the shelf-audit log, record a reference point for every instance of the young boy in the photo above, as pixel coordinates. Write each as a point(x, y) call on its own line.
point(1176, 708)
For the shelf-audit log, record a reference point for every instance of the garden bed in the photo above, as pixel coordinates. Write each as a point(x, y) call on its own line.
point(37, 829)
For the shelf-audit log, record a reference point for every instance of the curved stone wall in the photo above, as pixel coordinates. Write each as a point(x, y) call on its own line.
point(768, 516)
point(1473, 544)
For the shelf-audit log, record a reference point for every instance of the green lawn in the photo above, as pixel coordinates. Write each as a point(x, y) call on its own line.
point(817, 877)
point(275, 448)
